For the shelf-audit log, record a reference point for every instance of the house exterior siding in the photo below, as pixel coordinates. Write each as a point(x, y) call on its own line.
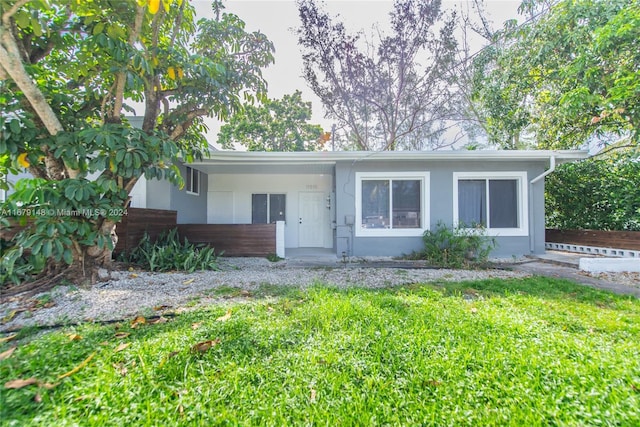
point(440, 205)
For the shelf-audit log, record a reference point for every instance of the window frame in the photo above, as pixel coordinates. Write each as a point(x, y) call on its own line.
point(190, 174)
point(522, 202)
point(422, 176)
point(269, 207)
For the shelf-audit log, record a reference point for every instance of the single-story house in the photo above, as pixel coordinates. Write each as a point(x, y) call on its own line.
point(353, 203)
point(371, 203)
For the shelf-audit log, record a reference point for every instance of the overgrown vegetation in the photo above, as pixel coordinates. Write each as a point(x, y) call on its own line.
point(169, 253)
point(601, 193)
point(532, 352)
point(456, 247)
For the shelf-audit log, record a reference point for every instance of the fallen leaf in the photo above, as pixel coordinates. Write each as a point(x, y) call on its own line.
point(7, 354)
point(140, 320)
point(245, 293)
point(181, 410)
point(48, 386)
point(104, 343)
point(224, 318)
point(474, 310)
point(204, 346)
point(37, 398)
point(196, 325)
point(160, 319)
point(312, 397)
point(9, 316)
point(122, 334)
point(120, 368)
point(270, 309)
point(130, 268)
point(77, 368)
point(74, 337)
point(133, 275)
point(161, 307)
point(20, 383)
point(188, 282)
point(8, 338)
point(122, 346)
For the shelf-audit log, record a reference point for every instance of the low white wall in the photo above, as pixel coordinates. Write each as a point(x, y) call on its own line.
point(614, 265)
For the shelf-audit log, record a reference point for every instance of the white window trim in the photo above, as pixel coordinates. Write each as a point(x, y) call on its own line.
point(393, 232)
point(523, 200)
point(190, 190)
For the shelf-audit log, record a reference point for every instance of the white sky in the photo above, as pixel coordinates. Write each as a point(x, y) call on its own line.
point(277, 18)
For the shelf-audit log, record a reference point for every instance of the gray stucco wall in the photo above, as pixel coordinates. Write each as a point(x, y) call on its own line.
point(191, 209)
point(440, 205)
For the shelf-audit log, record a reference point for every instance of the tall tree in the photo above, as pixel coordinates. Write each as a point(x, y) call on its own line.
point(276, 125)
point(67, 71)
point(567, 76)
point(391, 91)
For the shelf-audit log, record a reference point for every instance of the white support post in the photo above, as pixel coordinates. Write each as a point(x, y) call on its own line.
point(280, 239)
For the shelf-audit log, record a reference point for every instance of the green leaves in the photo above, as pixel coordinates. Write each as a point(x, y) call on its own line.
point(565, 77)
point(277, 125)
point(600, 193)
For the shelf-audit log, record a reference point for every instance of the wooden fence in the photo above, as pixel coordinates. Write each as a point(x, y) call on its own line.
point(605, 239)
point(233, 239)
point(138, 221)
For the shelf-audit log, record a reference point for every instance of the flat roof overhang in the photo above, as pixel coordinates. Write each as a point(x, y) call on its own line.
point(323, 162)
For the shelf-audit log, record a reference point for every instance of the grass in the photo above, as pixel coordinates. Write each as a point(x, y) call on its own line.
point(531, 352)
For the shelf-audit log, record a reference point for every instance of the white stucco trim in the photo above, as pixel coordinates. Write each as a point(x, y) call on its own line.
point(523, 200)
point(393, 232)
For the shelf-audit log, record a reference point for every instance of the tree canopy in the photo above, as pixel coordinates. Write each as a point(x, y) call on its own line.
point(567, 76)
point(387, 91)
point(276, 125)
point(68, 72)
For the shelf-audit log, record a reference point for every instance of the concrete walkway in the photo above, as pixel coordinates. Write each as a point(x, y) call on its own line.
point(564, 265)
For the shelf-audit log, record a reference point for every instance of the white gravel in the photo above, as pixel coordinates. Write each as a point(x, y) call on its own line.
point(131, 293)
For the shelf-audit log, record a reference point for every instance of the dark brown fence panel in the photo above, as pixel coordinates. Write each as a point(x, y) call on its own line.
point(138, 221)
point(604, 239)
point(233, 239)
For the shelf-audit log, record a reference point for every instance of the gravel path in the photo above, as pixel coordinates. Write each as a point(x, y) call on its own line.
point(128, 294)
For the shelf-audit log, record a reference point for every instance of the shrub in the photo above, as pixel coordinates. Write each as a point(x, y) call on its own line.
point(595, 194)
point(167, 253)
point(457, 247)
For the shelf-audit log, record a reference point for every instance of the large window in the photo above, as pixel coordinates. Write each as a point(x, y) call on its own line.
point(496, 201)
point(192, 182)
point(268, 208)
point(391, 204)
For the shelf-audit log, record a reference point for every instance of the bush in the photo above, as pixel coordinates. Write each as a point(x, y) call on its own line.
point(167, 253)
point(595, 194)
point(457, 247)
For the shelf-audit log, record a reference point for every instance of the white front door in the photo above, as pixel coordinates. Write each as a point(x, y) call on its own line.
point(311, 221)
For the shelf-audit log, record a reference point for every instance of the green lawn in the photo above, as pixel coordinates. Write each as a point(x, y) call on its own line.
point(519, 352)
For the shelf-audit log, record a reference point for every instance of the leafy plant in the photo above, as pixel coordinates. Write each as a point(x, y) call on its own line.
point(457, 247)
point(69, 73)
point(595, 194)
point(274, 257)
point(168, 253)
